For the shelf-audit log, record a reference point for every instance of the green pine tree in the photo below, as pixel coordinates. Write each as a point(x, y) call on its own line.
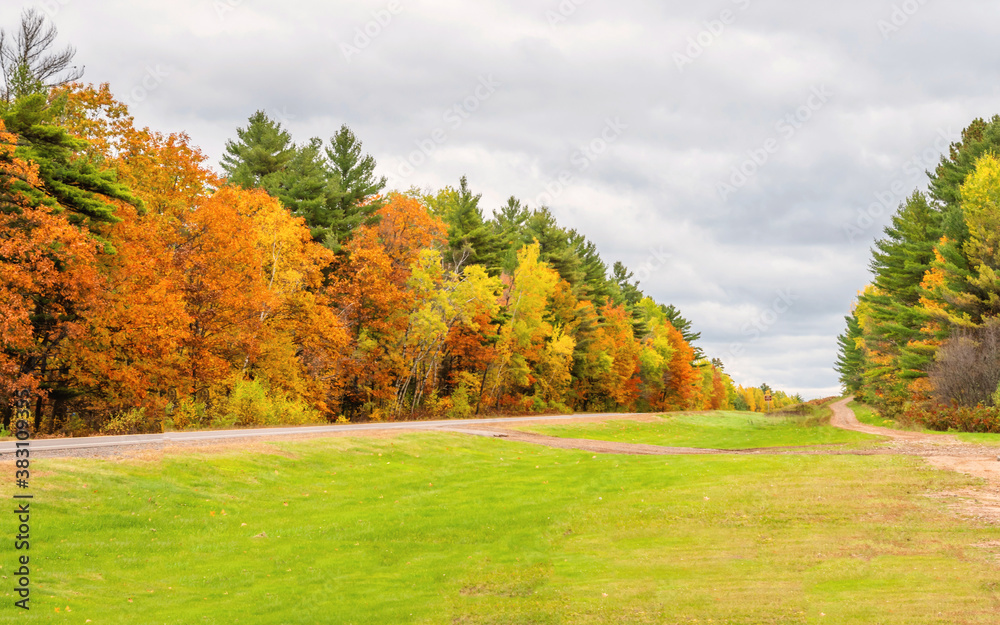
point(260, 154)
point(352, 197)
point(598, 288)
point(851, 358)
point(303, 185)
point(556, 247)
point(627, 292)
point(471, 240)
point(509, 227)
point(978, 138)
point(71, 181)
point(684, 327)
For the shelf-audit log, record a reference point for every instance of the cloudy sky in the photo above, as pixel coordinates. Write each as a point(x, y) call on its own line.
point(738, 155)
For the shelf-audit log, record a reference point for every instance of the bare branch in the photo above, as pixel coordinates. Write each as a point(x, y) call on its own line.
point(27, 60)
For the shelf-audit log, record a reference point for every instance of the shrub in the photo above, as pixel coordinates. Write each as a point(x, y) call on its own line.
point(251, 403)
point(132, 421)
point(435, 406)
point(187, 413)
point(982, 419)
point(462, 400)
point(966, 370)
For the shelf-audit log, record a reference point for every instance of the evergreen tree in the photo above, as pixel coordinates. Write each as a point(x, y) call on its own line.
point(260, 154)
point(471, 240)
point(71, 181)
point(556, 247)
point(851, 359)
point(627, 292)
point(899, 262)
point(509, 225)
point(684, 327)
point(303, 185)
point(977, 139)
point(354, 187)
point(599, 289)
point(970, 289)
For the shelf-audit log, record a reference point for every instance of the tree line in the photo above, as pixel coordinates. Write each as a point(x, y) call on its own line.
point(924, 335)
point(140, 289)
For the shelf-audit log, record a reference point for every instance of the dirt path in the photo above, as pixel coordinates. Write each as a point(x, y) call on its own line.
point(944, 452)
point(639, 449)
point(843, 418)
point(635, 449)
point(941, 450)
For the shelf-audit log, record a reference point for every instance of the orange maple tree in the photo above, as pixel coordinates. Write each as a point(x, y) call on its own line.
point(47, 285)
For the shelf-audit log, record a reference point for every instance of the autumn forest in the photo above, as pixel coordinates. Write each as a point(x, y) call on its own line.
point(142, 289)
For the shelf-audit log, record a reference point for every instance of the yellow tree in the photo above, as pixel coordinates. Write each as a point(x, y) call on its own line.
point(522, 340)
point(370, 282)
point(442, 300)
point(302, 338)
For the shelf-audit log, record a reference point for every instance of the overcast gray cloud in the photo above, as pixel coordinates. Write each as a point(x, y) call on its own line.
point(738, 155)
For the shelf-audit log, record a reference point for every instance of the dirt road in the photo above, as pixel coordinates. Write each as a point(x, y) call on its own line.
point(941, 450)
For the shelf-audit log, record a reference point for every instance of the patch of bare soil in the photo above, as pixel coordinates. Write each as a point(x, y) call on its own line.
point(843, 418)
point(980, 504)
point(943, 452)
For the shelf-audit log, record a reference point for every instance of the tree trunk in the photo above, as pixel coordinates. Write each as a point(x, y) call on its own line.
point(39, 406)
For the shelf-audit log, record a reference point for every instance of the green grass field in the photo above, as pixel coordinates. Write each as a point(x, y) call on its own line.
point(868, 416)
point(719, 430)
point(440, 528)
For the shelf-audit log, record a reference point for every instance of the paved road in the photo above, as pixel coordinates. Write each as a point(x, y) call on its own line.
point(93, 442)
